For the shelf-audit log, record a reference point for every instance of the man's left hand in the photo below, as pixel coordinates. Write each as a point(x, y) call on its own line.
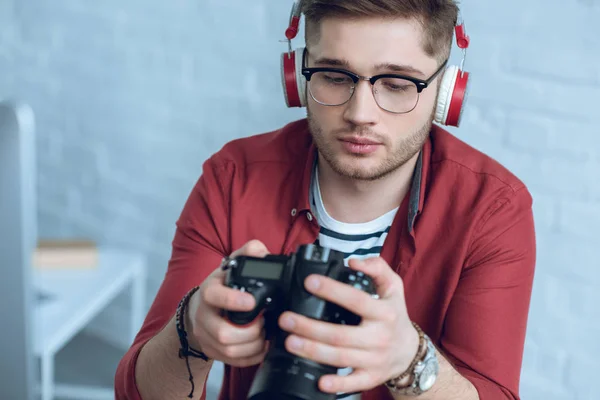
point(381, 347)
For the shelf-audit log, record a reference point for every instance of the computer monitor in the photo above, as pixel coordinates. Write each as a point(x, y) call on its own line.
point(18, 235)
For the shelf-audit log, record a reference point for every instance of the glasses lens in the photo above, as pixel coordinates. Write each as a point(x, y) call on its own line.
point(330, 88)
point(395, 94)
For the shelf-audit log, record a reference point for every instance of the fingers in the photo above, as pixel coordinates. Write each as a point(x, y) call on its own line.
point(357, 337)
point(348, 297)
point(253, 248)
point(339, 357)
point(216, 294)
point(221, 340)
point(223, 333)
point(358, 381)
point(240, 355)
point(220, 296)
point(232, 351)
point(386, 280)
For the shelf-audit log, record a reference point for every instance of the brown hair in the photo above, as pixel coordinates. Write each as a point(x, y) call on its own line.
point(437, 17)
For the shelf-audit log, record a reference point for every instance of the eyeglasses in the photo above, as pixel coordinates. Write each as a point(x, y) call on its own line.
point(397, 94)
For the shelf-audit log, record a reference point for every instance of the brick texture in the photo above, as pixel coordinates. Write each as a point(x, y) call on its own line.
point(131, 97)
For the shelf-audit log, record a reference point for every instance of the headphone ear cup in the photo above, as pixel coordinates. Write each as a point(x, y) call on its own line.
point(293, 82)
point(445, 94)
point(451, 97)
point(300, 79)
point(459, 99)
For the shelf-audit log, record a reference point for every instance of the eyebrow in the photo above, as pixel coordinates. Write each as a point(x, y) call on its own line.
point(334, 62)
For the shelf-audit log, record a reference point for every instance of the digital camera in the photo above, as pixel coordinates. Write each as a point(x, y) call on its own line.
point(277, 284)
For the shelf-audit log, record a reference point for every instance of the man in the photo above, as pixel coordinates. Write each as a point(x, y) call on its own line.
point(446, 232)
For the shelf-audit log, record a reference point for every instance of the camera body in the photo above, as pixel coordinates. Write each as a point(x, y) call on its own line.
point(277, 284)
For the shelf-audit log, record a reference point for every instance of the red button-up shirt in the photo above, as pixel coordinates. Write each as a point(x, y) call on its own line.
point(463, 242)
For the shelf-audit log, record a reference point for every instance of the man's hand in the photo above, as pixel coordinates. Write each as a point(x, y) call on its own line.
point(380, 348)
point(221, 340)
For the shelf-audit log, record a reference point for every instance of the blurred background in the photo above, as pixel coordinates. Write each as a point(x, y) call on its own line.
point(131, 97)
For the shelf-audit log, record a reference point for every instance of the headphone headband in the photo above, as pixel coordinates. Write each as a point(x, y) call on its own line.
point(292, 30)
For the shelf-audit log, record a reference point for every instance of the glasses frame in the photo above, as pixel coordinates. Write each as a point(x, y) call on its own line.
point(419, 83)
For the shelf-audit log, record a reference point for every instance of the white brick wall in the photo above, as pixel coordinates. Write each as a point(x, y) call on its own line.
point(538, 77)
point(132, 96)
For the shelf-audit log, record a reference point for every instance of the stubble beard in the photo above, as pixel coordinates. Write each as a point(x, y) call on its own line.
point(401, 153)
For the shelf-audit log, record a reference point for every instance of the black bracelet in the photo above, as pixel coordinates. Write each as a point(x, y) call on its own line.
point(185, 350)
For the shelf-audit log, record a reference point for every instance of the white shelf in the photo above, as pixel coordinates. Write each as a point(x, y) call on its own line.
point(70, 298)
point(85, 368)
point(68, 301)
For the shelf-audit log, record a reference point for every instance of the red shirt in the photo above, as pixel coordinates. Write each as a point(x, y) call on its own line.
point(463, 242)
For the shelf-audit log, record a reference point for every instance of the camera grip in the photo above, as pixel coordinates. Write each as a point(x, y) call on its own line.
point(242, 317)
point(245, 317)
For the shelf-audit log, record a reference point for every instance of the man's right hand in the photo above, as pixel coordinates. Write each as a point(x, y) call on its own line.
point(210, 332)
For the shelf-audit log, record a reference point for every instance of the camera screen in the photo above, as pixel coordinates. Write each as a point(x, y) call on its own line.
point(262, 269)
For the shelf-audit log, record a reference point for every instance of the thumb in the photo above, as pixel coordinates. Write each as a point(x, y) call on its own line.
point(253, 248)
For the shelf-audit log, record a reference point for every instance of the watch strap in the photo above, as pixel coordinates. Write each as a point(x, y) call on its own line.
point(416, 386)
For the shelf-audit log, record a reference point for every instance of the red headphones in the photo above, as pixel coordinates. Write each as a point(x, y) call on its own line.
point(452, 93)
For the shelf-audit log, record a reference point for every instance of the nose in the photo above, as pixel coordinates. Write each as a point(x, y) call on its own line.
point(362, 109)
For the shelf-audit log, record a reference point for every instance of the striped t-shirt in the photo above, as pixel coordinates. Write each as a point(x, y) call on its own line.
point(361, 240)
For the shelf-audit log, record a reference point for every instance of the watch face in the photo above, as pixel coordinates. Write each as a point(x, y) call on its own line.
point(429, 374)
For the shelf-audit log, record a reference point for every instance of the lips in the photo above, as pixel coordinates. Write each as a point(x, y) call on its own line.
point(359, 140)
point(358, 145)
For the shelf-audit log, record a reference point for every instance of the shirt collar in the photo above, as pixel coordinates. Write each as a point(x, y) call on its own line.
point(418, 184)
point(310, 151)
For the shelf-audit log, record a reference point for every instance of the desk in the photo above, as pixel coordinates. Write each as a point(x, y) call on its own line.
point(69, 299)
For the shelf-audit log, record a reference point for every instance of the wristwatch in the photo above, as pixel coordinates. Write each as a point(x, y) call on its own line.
point(424, 373)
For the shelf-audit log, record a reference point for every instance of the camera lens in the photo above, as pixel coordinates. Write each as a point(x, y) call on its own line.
point(285, 376)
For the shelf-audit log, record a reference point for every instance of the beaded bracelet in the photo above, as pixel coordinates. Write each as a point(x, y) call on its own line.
point(394, 383)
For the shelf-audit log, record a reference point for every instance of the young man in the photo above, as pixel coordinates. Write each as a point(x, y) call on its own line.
point(446, 232)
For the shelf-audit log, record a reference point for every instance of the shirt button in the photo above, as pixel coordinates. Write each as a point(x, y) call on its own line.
point(309, 216)
point(294, 212)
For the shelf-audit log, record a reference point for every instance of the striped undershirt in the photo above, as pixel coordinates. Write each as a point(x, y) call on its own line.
point(360, 240)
